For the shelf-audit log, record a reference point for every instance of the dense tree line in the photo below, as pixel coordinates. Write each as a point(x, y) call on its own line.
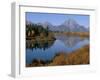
point(33, 30)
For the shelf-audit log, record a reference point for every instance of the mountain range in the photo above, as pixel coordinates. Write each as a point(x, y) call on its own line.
point(69, 25)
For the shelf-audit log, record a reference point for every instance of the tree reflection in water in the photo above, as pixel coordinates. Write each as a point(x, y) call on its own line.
point(39, 44)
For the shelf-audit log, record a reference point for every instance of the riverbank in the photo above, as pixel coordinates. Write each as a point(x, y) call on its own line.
point(80, 34)
point(80, 56)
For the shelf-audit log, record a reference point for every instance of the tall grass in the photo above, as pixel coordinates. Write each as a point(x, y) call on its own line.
point(80, 56)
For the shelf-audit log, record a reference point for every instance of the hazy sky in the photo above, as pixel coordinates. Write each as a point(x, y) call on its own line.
point(57, 19)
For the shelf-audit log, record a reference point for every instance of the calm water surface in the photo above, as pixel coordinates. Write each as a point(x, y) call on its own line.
point(47, 50)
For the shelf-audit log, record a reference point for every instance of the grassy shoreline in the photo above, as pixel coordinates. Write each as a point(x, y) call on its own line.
point(80, 34)
point(79, 56)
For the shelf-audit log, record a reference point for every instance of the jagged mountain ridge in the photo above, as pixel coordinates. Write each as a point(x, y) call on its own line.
point(69, 25)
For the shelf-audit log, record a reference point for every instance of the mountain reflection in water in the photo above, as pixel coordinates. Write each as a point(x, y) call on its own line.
point(46, 50)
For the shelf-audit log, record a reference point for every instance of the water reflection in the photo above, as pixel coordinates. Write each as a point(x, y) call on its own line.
point(46, 50)
point(70, 41)
point(39, 44)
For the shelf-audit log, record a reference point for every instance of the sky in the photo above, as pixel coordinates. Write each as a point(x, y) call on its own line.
point(57, 19)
